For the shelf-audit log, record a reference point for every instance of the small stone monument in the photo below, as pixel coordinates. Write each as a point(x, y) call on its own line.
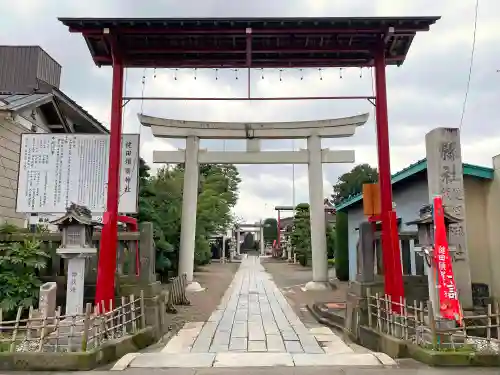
point(47, 300)
point(76, 228)
point(46, 308)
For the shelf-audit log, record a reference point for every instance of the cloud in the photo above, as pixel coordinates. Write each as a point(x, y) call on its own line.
point(426, 92)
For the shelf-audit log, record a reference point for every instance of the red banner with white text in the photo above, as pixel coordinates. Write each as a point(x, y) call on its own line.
point(449, 305)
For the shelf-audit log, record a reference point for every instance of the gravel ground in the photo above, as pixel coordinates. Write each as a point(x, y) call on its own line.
point(215, 278)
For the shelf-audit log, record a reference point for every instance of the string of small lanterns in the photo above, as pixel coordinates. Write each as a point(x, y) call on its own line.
point(261, 71)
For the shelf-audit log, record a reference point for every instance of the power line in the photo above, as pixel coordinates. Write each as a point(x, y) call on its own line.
point(471, 65)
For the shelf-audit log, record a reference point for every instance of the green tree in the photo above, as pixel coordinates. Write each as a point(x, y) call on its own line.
point(160, 202)
point(19, 282)
point(342, 247)
point(270, 230)
point(351, 183)
point(301, 233)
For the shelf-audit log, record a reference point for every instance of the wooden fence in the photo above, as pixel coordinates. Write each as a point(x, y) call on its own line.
point(74, 333)
point(480, 331)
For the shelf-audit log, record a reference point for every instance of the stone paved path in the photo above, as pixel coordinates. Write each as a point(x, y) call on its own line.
point(253, 326)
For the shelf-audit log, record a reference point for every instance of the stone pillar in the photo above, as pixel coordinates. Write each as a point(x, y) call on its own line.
point(238, 239)
point(317, 216)
point(189, 205)
point(262, 245)
point(147, 254)
point(492, 220)
point(445, 178)
point(75, 286)
point(366, 253)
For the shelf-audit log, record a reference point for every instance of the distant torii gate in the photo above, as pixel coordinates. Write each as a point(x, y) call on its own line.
point(250, 228)
point(313, 156)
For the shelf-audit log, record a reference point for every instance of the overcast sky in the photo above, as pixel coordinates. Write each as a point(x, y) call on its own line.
point(426, 92)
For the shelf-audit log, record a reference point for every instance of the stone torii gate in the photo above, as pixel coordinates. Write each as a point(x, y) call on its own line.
point(313, 156)
point(250, 228)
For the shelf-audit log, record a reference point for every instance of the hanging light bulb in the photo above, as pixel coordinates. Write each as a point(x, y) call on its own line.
point(262, 73)
point(236, 73)
point(154, 73)
point(175, 74)
point(341, 73)
point(301, 74)
point(320, 70)
point(361, 72)
point(281, 73)
point(195, 73)
point(216, 74)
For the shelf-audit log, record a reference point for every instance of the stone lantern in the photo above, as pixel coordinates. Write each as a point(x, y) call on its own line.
point(76, 228)
point(425, 230)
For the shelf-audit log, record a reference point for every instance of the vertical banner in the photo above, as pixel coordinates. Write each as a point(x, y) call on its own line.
point(449, 305)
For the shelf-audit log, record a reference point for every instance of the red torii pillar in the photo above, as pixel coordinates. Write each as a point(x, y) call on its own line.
point(393, 273)
point(105, 286)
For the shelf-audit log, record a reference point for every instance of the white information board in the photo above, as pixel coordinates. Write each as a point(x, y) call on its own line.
point(56, 170)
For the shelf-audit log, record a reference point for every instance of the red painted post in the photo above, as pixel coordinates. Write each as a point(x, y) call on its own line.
point(279, 230)
point(105, 288)
point(390, 240)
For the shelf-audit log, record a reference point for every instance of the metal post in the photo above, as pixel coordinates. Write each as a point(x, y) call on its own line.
point(105, 287)
point(390, 241)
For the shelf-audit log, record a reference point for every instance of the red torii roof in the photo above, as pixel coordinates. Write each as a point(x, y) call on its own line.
point(275, 42)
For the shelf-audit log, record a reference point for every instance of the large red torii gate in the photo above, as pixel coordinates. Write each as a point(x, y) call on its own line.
point(250, 43)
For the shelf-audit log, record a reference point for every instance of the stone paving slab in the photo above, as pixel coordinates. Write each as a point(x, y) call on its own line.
point(257, 346)
point(353, 359)
point(257, 359)
point(275, 343)
point(254, 326)
point(161, 360)
point(238, 344)
point(253, 360)
point(293, 347)
point(254, 309)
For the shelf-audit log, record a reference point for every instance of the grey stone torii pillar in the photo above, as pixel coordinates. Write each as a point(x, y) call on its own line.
point(314, 156)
